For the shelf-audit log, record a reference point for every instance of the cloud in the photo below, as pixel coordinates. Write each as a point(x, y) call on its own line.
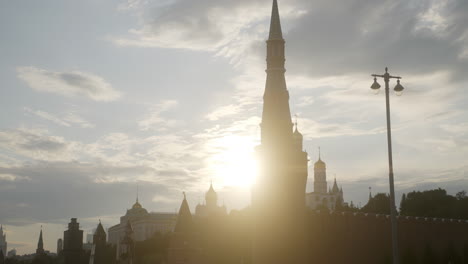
point(155, 120)
point(223, 111)
point(164, 199)
point(411, 37)
point(35, 144)
point(65, 120)
point(72, 83)
point(227, 28)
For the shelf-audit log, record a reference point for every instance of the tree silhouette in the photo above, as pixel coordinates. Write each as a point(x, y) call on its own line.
point(379, 204)
point(435, 203)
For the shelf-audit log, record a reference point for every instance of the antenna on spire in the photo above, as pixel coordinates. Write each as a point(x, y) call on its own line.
point(184, 195)
point(319, 153)
point(137, 192)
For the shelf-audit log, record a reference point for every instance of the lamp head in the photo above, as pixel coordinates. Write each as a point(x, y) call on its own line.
point(375, 85)
point(398, 88)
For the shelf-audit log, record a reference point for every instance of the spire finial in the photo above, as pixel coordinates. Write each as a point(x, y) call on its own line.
point(370, 192)
point(295, 120)
point(319, 153)
point(137, 194)
point(275, 24)
point(184, 195)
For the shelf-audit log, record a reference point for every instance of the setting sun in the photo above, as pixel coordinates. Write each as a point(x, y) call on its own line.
point(235, 164)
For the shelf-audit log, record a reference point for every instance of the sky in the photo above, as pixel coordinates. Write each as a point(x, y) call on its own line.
point(101, 96)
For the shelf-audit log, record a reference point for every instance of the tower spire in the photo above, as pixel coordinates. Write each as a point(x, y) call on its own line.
point(295, 122)
point(137, 194)
point(320, 158)
point(184, 218)
point(277, 125)
point(40, 244)
point(275, 23)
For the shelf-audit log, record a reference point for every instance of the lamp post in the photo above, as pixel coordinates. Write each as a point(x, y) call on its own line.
point(398, 89)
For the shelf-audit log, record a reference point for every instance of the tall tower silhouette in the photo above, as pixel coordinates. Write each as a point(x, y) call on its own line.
point(278, 197)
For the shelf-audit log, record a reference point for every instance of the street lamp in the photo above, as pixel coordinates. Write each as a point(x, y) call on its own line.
point(398, 89)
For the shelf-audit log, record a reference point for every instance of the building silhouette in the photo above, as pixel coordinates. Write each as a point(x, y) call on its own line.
point(278, 197)
point(210, 208)
point(12, 253)
point(59, 246)
point(127, 245)
point(143, 223)
point(73, 243)
point(3, 242)
point(184, 245)
point(321, 198)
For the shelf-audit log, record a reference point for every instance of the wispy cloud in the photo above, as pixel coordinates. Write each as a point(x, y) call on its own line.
point(224, 111)
point(227, 28)
point(73, 83)
point(35, 144)
point(66, 120)
point(155, 120)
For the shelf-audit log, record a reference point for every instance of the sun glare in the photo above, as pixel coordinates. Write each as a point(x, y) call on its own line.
point(235, 163)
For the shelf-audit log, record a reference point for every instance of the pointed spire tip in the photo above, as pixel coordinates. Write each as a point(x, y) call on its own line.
point(275, 23)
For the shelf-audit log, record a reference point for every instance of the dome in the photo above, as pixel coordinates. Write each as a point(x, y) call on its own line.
point(137, 209)
point(319, 164)
point(297, 134)
point(137, 205)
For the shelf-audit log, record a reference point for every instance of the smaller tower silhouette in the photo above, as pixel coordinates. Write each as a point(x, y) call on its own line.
point(297, 136)
point(211, 197)
point(41, 256)
point(100, 252)
point(40, 245)
point(184, 244)
point(210, 208)
point(3, 242)
point(321, 198)
point(320, 175)
point(59, 246)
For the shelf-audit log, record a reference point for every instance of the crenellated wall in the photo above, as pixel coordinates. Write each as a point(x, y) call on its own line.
point(366, 238)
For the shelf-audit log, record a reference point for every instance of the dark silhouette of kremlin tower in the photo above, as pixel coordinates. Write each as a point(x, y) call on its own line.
point(278, 198)
point(41, 256)
point(99, 251)
point(184, 243)
point(40, 245)
point(73, 243)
